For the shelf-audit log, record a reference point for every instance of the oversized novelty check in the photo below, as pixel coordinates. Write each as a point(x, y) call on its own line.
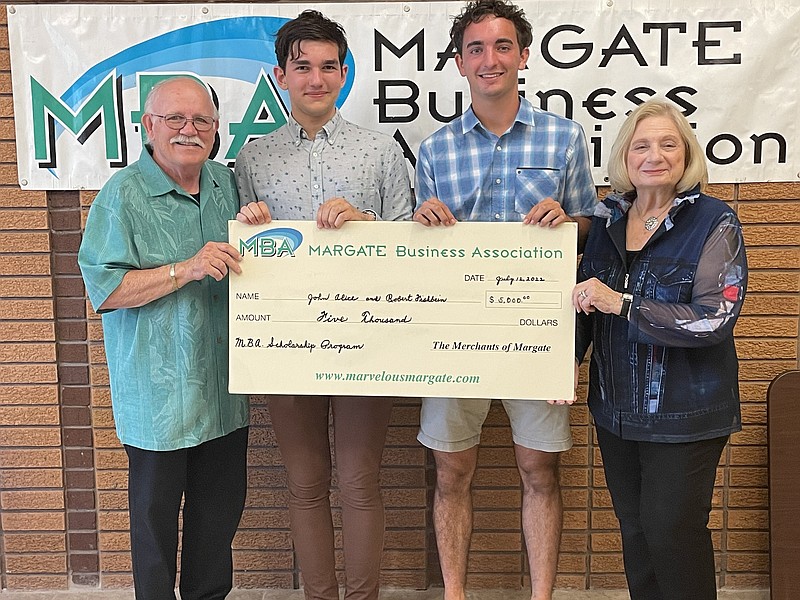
point(476, 310)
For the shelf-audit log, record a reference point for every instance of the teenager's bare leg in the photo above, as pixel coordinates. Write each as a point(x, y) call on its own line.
point(452, 516)
point(541, 516)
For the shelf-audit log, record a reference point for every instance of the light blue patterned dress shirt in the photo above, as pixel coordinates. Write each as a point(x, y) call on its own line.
point(295, 175)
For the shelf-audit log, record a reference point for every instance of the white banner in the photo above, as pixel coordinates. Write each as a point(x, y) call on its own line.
point(81, 72)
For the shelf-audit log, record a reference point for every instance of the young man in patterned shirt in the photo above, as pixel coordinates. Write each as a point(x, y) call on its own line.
point(321, 167)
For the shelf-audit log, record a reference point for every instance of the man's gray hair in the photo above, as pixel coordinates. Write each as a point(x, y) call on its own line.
point(152, 96)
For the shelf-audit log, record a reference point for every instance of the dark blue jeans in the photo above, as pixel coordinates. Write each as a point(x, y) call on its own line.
point(662, 498)
point(212, 480)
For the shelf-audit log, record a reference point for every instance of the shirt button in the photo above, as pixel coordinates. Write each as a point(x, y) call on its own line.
point(498, 180)
point(316, 186)
point(499, 148)
point(219, 339)
point(315, 154)
point(497, 216)
point(215, 297)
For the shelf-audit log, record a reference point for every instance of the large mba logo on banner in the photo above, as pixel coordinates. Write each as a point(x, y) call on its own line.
point(107, 101)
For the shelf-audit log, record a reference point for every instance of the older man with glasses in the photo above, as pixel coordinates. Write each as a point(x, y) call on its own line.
point(154, 262)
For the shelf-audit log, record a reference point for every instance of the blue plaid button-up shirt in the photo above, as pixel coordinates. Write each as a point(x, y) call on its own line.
point(482, 177)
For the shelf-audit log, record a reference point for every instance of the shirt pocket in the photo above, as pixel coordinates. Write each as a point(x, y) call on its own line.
point(670, 283)
point(601, 267)
point(534, 184)
point(361, 195)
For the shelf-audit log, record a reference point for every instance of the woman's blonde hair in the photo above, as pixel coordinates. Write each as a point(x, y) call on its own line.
point(695, 170)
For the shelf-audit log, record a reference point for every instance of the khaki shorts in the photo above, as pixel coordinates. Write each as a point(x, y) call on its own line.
point(454, 424)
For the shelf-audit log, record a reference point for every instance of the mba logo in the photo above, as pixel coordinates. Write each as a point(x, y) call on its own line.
point(102, 109)
point(273, 243)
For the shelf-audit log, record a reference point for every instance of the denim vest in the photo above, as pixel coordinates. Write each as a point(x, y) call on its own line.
point(642, 388)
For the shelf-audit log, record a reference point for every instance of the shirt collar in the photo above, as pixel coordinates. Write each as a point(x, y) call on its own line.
point(525, 115)
point(158, 183)
point(614, 206)
point(330, 130)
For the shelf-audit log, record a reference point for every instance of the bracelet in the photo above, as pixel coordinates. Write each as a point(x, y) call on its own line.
point(173, 278)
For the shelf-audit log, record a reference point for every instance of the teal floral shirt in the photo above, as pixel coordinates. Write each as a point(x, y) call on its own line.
point(167, 360)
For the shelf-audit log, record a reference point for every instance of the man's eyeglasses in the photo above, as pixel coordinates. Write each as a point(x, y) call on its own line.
point(178, 122)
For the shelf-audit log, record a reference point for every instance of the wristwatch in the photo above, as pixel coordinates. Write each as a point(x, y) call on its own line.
point(371, 213)
point(627, 300)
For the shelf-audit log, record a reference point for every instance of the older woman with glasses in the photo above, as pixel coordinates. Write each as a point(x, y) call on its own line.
point(661, 284)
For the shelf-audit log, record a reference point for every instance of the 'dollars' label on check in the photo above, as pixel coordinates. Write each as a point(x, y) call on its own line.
point(476, 310)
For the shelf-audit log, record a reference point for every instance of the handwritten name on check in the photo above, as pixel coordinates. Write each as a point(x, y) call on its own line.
point(477, 310)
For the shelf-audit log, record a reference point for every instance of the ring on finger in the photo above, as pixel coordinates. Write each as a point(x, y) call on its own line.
point(582, 294)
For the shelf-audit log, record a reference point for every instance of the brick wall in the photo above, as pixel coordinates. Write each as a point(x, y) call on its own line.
point(63, 518)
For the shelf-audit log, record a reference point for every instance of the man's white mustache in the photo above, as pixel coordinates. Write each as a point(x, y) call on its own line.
point(185, 139)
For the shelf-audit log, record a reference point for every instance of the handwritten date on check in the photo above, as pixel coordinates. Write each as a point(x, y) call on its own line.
point(476, 310)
